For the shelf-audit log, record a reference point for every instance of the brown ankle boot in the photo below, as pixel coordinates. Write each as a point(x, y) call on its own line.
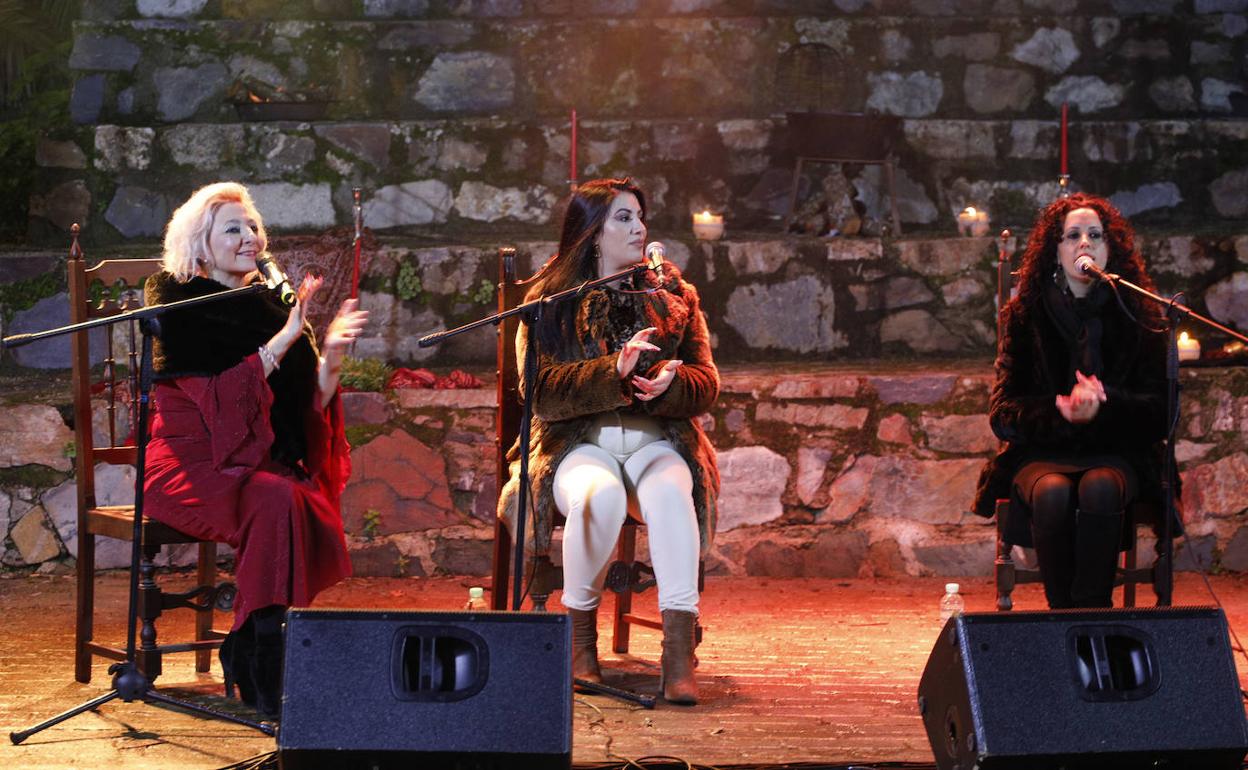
point(585, 645)
point(679, 686)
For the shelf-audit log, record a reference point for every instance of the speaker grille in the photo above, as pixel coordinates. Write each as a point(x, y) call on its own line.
point(427, 682)
point(1078, 683)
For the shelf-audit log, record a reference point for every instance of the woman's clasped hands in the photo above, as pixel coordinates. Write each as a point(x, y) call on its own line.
point(645, 389)
point(1084, 401)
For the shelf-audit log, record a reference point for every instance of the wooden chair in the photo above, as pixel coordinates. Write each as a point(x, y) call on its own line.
point(122, 282)
point(1007, 572)
point(626, 575)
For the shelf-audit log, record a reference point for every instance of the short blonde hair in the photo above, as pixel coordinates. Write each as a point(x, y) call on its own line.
point(186, 235)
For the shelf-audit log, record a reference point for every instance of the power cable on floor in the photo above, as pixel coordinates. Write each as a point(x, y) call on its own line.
point(265, 761)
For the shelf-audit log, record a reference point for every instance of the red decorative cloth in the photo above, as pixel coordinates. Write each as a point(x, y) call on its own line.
point(423, 378)
point(209, 474)
point(410, 378)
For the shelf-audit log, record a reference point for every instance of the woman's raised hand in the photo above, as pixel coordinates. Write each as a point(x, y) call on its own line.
point(1091, 384)
point(289, 333)
point(652, 389)
point(632, 350)
point(1084, 401)
point(346, 326)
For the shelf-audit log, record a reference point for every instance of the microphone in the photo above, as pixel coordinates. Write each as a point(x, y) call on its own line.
point(1087, 266)
point(654, 259)
point(275, 279)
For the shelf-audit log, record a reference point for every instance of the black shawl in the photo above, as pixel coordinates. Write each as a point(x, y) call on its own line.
point(205, 340)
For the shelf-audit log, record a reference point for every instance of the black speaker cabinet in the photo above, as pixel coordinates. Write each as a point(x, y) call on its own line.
point(384, 689)
point(1084, 689)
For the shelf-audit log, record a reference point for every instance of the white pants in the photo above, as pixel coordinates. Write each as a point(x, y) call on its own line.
point(627, 465)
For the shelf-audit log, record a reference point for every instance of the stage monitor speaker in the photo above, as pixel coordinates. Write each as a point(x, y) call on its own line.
point(1084, 689)
point(463, 690)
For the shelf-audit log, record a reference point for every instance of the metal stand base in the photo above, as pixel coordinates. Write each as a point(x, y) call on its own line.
point(130, 685)
point(645, 701)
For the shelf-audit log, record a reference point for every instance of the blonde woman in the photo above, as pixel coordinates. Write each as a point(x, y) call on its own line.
point(247, 444)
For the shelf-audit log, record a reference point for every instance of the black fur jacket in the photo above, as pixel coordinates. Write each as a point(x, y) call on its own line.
point(1034, 366)
point(207, 339)
point(570, 394)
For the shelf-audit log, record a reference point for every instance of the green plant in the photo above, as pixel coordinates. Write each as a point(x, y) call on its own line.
point(400, 565)
point(359, 435)
point(1012, 208)
point(365, 374)
point(35, 42)
point(21, 295)
point(407, 285)
point(25, 29)
point(372, 523)
point(484, 292)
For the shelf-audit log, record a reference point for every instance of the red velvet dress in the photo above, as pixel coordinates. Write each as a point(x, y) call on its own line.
point(209, 474)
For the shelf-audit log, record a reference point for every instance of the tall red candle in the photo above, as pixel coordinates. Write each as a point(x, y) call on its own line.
point(1063, 139)
point(572, 174)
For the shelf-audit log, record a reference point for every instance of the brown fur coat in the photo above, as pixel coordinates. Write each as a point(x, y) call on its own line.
point(569, 395)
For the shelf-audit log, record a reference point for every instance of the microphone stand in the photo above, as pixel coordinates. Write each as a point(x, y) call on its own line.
point(1163, 580)
point(129, 682)
point(531, 314)
point(357, 242)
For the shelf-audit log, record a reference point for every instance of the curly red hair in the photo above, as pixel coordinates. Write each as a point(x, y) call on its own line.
point(1040, 257)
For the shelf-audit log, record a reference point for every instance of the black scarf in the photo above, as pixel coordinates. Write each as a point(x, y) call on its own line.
point(1078, 320)
point(207, 339)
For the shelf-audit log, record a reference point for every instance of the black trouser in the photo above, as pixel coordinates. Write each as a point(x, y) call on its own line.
point(1076, 525)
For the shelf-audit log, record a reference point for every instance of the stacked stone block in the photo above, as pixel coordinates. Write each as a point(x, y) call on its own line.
point(454, 115)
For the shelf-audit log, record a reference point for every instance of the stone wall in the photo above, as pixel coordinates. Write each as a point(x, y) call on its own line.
point(453, 115)
point(846, 471)
point(839, 298)
point(795, 298)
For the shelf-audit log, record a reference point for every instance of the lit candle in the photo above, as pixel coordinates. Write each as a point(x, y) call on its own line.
point(708, 226)
point(1063, 139)
point(572, 170)
point(973, 222)
point(1189, 347)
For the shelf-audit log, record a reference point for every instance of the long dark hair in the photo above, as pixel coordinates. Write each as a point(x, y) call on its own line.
point(577, 258)
point(1040, 258)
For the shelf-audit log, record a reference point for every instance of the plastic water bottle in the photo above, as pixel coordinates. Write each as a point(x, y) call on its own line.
point(951, 603)
point(476, 600)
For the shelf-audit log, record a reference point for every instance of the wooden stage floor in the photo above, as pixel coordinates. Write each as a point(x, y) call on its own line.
point(792, 670)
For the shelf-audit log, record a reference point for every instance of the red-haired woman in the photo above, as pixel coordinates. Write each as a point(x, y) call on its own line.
point(1080, 399)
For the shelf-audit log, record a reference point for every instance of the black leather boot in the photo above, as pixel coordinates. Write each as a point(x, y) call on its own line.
point(1055, 553)
point(266, 664)
point(1097, 537)
point(236, 653)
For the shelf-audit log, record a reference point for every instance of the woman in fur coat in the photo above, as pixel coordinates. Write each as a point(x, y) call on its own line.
point(247, 444)
point(622, 373)
point(1080, 399)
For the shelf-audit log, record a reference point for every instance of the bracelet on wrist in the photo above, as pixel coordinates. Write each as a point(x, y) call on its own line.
point(267, 357)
